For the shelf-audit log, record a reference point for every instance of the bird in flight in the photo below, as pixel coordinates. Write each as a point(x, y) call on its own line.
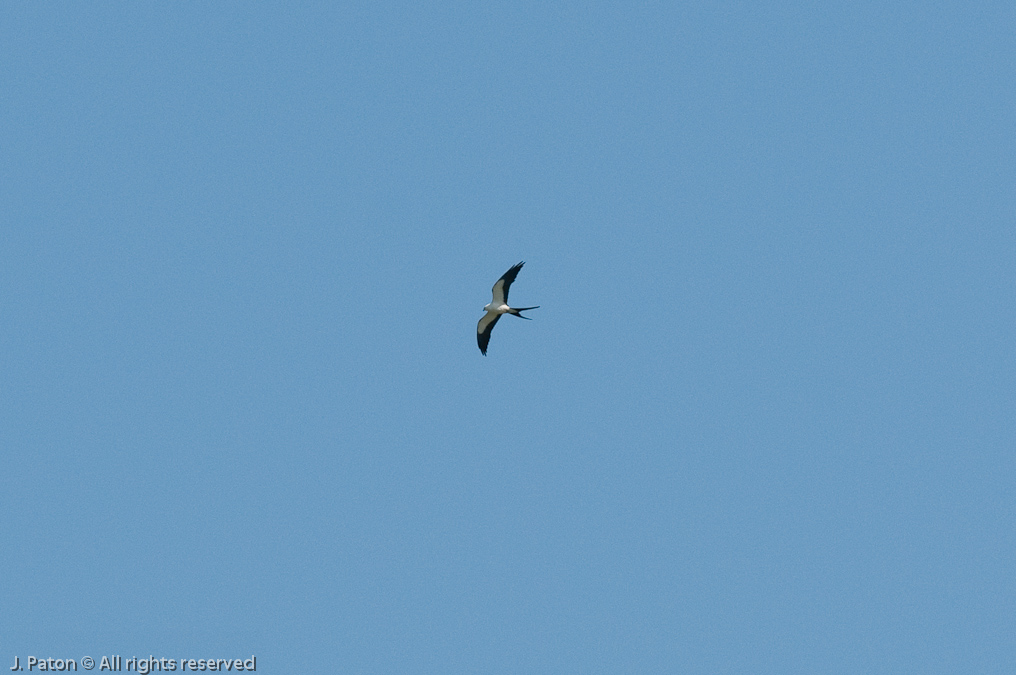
point(497, 307)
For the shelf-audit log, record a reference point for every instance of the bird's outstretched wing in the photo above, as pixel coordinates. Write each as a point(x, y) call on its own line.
point(500, 289)
point(483, 329)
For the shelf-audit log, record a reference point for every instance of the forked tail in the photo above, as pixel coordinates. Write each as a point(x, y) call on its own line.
point(514, 311)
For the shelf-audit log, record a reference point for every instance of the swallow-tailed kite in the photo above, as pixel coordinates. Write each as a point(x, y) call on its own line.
point(497, 307)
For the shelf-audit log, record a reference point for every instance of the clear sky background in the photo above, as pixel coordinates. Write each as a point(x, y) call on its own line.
point(763, 421)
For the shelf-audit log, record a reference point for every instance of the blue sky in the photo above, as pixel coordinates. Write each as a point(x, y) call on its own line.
point(763, 421)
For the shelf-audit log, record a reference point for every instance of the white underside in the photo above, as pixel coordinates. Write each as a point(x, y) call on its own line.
point(486, 320)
